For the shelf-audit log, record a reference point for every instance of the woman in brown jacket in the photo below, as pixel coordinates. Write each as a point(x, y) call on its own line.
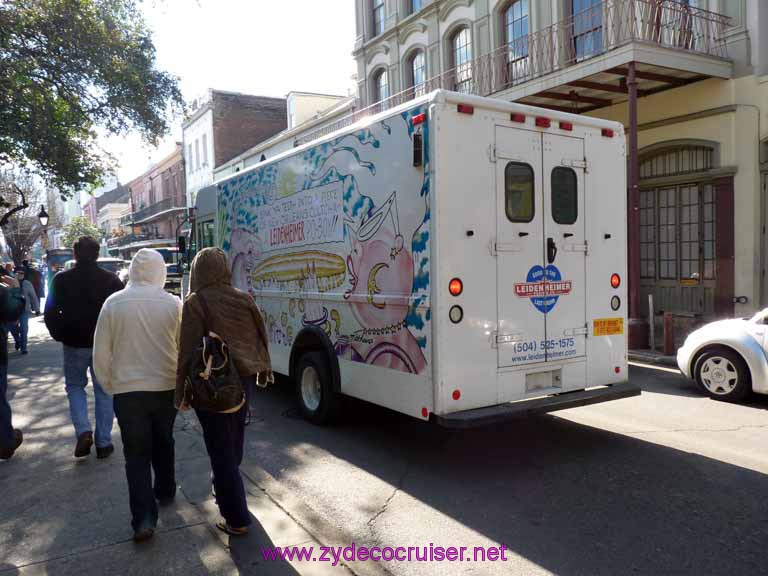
point(236, 319)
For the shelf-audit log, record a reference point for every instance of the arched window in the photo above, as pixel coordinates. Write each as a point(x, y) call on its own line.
point(461, 55)
point(381, 86)
point(516, 28)
point(418, 70)
point(377, 12)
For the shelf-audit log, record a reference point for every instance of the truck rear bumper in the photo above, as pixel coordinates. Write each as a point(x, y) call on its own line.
point(502, 412)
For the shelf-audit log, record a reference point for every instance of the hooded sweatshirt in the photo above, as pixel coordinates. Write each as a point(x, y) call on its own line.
point(135, 346)
point(233, 315)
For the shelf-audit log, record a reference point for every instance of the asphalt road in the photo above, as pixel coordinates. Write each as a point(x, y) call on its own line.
point(666, 483)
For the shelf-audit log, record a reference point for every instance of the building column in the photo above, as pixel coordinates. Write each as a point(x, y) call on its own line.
point(638, 326)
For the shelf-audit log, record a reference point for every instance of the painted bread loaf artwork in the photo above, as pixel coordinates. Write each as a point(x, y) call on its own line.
point(298, 269)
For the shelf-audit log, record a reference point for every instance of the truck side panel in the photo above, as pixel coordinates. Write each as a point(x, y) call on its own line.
point(336, 236)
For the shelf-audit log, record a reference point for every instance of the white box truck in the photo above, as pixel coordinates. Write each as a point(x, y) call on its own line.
point(458, 259)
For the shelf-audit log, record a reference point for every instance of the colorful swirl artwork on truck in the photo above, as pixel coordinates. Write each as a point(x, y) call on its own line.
point(320, 238)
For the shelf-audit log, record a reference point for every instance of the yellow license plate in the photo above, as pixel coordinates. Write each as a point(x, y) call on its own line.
point(609, 326)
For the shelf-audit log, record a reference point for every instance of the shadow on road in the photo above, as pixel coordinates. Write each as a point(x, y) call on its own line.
point(570, 498)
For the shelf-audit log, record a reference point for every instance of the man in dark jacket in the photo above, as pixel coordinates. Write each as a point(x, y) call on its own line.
point(71, 312)
point(11, 306)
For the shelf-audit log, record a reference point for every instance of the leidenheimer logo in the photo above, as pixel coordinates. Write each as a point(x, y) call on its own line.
point(543, 288)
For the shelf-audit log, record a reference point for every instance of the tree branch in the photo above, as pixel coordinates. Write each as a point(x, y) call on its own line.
point(7, 216)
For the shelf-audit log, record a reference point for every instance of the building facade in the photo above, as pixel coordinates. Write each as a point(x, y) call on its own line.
point(223, 125)
point(688, 79)
point(158, 207)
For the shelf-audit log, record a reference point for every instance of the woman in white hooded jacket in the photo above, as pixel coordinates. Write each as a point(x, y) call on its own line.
point(135, 356)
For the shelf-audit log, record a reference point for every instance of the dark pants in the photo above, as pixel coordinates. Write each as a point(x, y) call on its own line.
point(6, 429)
point(224, 438)
point(146, 426)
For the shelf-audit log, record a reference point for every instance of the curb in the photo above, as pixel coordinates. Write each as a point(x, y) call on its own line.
point(649, 358)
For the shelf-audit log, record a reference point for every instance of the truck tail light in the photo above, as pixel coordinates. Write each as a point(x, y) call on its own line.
point(615, 281)
point(455, 287)
point(419, 119)
point(456, 314)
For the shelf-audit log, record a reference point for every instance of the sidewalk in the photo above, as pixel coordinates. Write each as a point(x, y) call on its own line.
point(64, 516)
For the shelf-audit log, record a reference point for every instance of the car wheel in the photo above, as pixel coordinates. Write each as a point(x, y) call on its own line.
point(723, 375)
point(318, 400)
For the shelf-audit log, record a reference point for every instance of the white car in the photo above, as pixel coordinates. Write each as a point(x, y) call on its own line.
point(727, 358)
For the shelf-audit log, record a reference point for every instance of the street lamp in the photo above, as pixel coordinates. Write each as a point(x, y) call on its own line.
point(43, 217)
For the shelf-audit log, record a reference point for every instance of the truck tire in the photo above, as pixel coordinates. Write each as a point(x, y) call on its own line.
point(318, 401)
point(723, 375)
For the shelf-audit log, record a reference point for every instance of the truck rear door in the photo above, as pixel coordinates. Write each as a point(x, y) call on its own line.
point(540, 247)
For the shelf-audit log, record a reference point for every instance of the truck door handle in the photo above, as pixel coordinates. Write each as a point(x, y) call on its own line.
point(521, 234)
point(567, 235)
point(551, 250)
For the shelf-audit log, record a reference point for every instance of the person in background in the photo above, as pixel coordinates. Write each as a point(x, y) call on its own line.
point(11, 305)
point(71, 312)
point(236, 319)
point(35, 278)
point(134, 357)
point(20, 330)
point(9, 268)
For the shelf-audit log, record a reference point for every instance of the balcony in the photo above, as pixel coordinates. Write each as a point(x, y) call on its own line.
point(580, 64)
point(153, 211)
point(125, 240)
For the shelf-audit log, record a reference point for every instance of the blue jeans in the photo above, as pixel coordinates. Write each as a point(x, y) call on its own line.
point(77, 362)
point(6, 429)
point(21, 330)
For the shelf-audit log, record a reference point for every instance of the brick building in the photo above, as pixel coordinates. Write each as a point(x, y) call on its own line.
point(221, 126)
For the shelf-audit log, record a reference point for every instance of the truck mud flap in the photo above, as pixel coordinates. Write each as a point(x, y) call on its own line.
point(502, 412)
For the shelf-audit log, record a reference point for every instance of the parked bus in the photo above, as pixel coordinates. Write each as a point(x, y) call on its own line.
point(55, 260)
point(457, 259)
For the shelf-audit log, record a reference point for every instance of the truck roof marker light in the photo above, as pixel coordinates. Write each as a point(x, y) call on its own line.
point(424, 412)
point(607, 132)
point(419, 119)
point(543, 122)
point(567, 126)
point(455, 287)
point(456, 394)
point(465, 109)
point(519, 118)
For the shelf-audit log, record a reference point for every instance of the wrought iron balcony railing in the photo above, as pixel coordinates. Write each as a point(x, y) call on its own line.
point(590, 33)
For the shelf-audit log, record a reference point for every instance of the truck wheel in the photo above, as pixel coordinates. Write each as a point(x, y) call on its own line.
point(723, 375)
point(314, 387)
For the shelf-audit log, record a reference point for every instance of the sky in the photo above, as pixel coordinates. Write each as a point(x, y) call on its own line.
point(263, 47)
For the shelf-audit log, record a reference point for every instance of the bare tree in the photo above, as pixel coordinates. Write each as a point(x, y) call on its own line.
point(20, 225)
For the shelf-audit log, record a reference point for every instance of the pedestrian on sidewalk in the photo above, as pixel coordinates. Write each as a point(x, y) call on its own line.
point(134, 355)
point(11, 306)
point(71, 312)
point(233, 315)
point(20, 329)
